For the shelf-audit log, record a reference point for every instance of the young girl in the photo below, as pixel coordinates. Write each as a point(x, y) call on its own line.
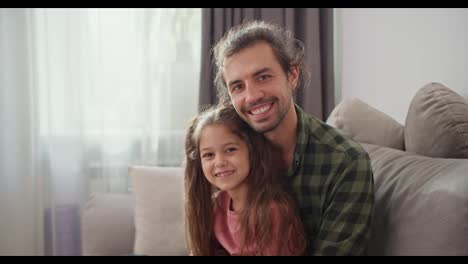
point(235, 200)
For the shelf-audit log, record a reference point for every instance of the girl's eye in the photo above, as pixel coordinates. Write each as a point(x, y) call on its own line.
point(206, 155)
point(231, 149)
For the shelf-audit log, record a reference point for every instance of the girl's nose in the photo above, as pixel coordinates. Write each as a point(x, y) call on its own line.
point(220, 161)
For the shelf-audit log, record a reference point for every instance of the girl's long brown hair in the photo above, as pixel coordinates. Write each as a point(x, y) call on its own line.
point(265, 187)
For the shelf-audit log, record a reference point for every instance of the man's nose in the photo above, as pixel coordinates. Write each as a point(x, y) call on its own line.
point(253, 93)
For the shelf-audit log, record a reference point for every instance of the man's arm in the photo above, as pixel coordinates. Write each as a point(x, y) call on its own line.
point(346, 224)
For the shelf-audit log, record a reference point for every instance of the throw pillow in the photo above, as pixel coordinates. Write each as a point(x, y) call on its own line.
point(437, 123)
point(159, 210)
point(366, 124)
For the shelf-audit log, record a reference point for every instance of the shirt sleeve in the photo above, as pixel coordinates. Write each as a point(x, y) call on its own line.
point(346, 223)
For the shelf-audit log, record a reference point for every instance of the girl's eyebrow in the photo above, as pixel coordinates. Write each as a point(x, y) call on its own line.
point(224, 145)
point(205, 149)
point(231, 143)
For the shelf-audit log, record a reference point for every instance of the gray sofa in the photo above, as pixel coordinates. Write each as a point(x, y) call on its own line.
point(420, 173)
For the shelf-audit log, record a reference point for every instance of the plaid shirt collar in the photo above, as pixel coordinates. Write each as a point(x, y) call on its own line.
point(302, 138)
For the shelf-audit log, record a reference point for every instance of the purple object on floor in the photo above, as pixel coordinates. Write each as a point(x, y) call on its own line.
point(67, 231)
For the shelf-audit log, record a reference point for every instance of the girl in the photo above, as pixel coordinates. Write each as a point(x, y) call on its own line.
point(235, 200)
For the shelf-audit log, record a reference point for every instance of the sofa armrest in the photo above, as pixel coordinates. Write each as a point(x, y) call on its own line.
point(421, 204)
point(107, 225)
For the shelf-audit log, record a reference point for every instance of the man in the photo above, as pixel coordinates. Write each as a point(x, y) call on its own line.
point(259, 66)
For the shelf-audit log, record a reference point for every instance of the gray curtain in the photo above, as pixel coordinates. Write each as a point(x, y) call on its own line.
point(313, 26)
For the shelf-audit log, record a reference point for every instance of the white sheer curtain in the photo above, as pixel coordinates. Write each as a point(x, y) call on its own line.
point(83, 94)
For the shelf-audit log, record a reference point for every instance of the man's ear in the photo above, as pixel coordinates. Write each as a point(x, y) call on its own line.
point(293, 77)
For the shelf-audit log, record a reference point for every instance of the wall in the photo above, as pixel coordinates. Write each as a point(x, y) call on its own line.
point(383, 56)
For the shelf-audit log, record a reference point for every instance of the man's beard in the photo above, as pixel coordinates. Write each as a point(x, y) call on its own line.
point(279, 118)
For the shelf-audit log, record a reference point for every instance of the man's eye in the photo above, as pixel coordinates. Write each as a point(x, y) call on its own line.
point(236, 87)
point(263, 77)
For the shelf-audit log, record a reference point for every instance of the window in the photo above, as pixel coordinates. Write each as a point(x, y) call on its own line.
point(114, 87)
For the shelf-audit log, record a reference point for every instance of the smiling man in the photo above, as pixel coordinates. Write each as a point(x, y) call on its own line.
point(259, 67)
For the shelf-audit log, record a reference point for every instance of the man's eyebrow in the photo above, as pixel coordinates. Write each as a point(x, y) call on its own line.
point(233, 82)
point(259, 72)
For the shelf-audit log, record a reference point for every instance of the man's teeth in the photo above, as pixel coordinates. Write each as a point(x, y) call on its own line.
point(261, 110)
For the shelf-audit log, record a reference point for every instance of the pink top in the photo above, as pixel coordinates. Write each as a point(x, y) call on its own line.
point(227, 230)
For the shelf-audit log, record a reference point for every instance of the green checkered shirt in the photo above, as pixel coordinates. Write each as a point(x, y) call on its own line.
point(331, 178)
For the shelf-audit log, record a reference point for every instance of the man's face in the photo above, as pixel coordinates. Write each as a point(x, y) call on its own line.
point(259, 89)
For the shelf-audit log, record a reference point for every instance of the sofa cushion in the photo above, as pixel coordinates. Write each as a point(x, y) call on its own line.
point(364, 123)
point(159, 210)
point(421, 204)
point(437, 123)
point(107, 227)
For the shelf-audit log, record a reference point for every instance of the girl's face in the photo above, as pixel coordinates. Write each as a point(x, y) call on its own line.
point(224, 158)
